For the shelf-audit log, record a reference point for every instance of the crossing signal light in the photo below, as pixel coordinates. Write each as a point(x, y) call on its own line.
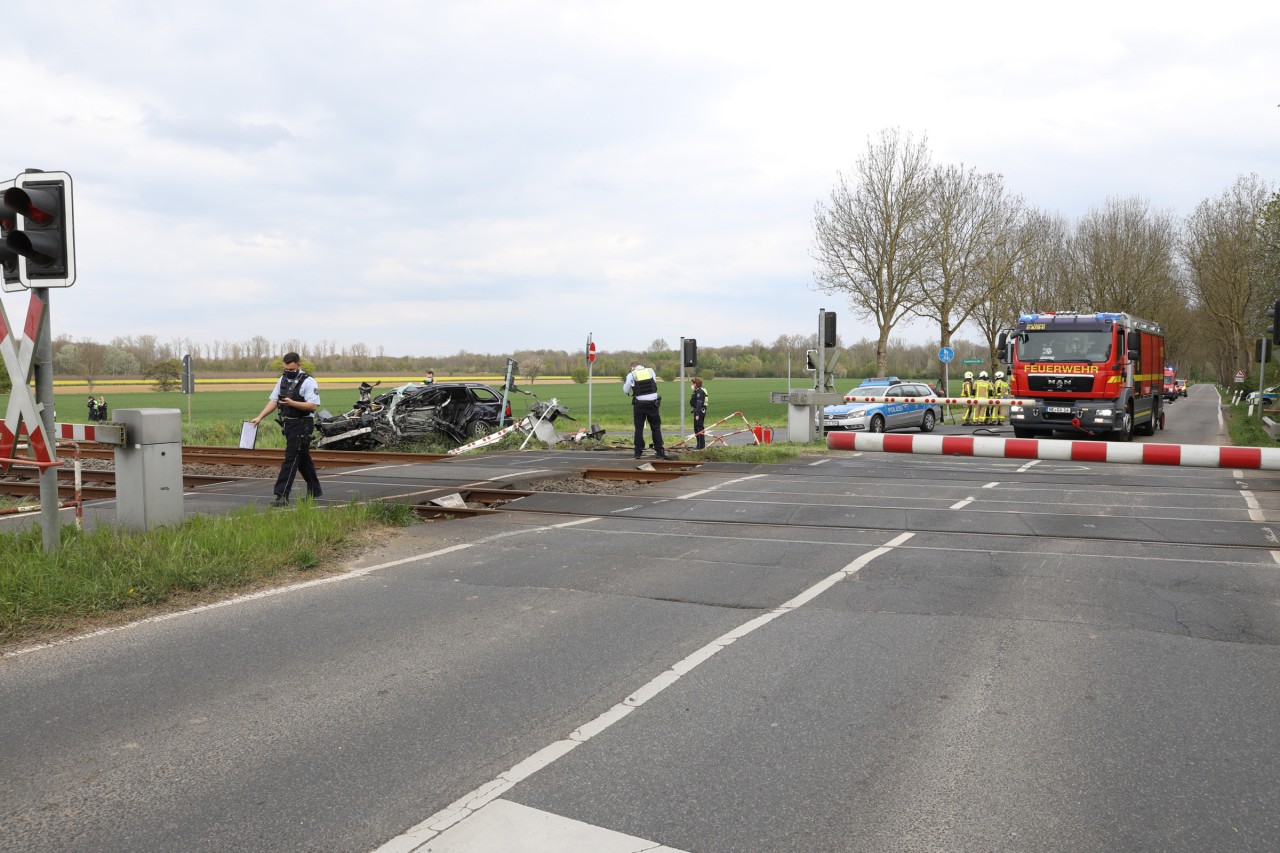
point(1274, 329)
point(36, 222)
point(690, 352)
point(829, 329)
point(811, 359)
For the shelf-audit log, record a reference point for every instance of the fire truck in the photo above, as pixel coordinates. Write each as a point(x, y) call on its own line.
point(1096, 374)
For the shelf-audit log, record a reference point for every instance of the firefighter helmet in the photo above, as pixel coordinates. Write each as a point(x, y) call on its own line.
point(968, 374)
point(999, 374)
point(982, 375)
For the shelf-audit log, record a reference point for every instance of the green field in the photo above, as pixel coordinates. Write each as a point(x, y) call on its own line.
point(215, 416)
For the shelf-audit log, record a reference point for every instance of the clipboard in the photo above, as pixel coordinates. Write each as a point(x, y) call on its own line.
point(248, 435)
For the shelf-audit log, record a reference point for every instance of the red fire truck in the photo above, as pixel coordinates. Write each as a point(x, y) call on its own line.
point(1098, 374)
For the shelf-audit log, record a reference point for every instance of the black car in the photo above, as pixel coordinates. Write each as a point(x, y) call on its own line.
point(457, 410)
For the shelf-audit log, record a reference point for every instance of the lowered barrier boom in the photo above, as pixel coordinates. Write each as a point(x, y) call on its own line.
point(1189, 455)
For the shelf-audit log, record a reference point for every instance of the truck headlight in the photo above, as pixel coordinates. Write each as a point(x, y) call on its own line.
point(1104, 413)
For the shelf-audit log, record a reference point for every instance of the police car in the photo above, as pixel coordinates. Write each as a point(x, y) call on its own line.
point(882, 416)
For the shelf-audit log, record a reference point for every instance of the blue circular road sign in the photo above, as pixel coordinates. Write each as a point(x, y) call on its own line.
point(946, 354)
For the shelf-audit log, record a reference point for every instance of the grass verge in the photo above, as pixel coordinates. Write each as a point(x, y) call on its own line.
point(113, 571)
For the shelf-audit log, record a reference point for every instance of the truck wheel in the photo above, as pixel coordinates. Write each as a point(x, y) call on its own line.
point(930, 420)
point(877, 423)
point(1125, 433)
point(1149, 428)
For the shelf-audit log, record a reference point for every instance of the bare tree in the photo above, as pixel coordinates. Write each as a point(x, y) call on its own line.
point(85, 359)
point(869, 241)
point(1223, 249)
point(1014, 269)
point(966, 215)
point(1123, 257)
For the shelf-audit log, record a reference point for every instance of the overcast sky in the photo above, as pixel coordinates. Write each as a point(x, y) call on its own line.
point(427, 177)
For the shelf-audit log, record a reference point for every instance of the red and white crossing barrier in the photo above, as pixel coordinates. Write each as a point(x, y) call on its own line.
point(1190, 455)
point(946, 401)
point(102, 433)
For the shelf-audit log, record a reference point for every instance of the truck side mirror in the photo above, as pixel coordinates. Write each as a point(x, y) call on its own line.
point(1002, 347)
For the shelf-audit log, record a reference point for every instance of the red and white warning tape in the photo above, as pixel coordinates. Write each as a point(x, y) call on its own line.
point(1191, 455)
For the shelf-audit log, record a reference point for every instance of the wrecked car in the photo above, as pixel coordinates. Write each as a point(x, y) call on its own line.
point(459, 411)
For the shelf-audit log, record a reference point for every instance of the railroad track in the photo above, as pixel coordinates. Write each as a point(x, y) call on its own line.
point(100, 483)
point(272, 457)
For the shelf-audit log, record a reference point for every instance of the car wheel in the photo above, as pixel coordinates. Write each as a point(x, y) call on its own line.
point(930, 420)
point(877, 423)
point(479, 429)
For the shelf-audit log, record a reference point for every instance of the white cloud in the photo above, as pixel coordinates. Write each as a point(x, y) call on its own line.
point(429, 177)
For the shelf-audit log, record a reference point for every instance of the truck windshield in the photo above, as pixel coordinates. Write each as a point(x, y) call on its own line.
point(1072, 345)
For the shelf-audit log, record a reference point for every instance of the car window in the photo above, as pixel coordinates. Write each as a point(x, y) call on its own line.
point(484, 395)
point(923, 391)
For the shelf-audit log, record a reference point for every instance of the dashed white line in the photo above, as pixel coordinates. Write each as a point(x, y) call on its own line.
point(961, 504)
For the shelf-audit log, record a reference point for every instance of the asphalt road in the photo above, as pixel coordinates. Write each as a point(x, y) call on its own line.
point(851, 652)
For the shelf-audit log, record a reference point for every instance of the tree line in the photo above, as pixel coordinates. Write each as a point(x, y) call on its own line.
point(904, 237)
point(124, 357)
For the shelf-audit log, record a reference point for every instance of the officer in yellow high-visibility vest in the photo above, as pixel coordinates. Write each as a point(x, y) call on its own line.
point(982, 388)
point(966, 391)
point(1001, 389)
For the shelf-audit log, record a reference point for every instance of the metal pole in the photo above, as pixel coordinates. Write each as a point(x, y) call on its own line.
point(591, 368)
point(681, 356)
point(44, 396)
point(1262, 373)
point(820, 378)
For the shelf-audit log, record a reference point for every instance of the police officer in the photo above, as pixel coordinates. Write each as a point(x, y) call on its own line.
point(642, 384)
point(698, 402)
point(297, 396)
point(1000, 388)
point(967, 391)
point(982, 388)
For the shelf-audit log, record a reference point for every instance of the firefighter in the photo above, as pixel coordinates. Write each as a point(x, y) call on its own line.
point(982, 388)
point(1000, 388)
point(967, 391)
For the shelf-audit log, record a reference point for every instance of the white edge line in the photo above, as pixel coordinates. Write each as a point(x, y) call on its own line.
point(413, 838)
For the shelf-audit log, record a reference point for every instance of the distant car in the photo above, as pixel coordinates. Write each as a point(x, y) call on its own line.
point(1269, 396)
point(880, 416)
point(1182, 387)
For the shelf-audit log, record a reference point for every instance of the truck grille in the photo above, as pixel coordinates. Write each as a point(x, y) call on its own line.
point(1082, 384)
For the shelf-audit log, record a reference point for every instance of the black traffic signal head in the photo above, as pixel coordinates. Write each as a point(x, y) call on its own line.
point(1274, 329)
point(690, 352)
point(829, 329)
point(39, 233)
point(811, 359)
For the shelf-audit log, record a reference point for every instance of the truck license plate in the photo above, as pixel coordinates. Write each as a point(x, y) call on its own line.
point(1058, 410)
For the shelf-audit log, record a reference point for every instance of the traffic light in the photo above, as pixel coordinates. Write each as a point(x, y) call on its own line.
point(1262, 350)
point(690, 352)
point(1274, 329)
point(811, 359)
point(829, 329)
point(39, 231)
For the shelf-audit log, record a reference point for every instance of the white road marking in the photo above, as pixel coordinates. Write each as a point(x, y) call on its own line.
point(990, 485)
point(719, 486)
point(514, 828)
point(961, 504)
point(472, 803)
point(1028, 465)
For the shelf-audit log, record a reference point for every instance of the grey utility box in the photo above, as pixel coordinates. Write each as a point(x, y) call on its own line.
point(149, 468)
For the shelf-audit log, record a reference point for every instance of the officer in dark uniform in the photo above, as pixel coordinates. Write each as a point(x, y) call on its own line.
point(698, 402)
point(642, 384)
point(297, 397)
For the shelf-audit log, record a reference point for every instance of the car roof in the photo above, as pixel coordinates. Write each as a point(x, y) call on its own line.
point(879, 380)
